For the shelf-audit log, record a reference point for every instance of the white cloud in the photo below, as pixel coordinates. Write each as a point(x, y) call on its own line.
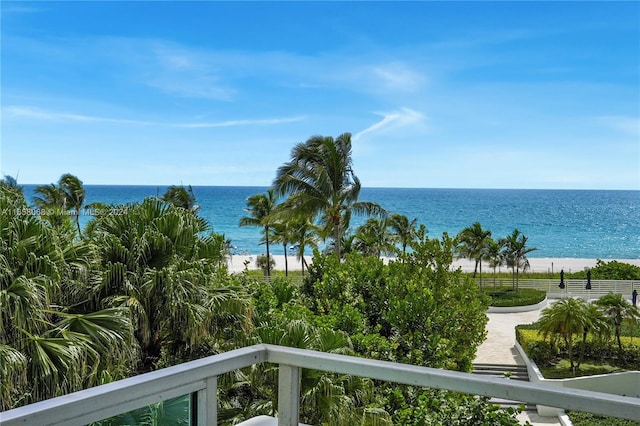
point(398, 76)
point(403, 117)
point(41, 114)
point(233, 123)
point(629, 125)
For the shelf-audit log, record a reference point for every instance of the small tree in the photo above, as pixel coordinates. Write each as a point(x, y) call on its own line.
point(564, 318)
point(617, 310)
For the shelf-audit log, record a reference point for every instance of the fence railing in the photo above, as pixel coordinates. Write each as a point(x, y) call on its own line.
point(572, 286)
point(199, 379)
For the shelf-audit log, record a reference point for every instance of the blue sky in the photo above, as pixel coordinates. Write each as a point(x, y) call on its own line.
point(435, 94)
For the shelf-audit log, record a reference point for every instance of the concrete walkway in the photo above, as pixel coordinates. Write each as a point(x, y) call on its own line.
point(499, 348)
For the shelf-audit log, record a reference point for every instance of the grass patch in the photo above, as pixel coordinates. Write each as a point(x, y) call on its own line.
point(506, 296)
point(563, 370)
point(586, 419)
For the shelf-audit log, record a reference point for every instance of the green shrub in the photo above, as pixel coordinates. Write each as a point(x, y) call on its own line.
point(506, 296)
point(586, 419)
point(261, 262)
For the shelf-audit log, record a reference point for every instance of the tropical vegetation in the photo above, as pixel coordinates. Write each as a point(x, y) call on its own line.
point(601, 332)
point(145, 285)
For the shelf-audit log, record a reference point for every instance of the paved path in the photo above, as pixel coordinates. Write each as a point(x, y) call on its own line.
point(499, 348)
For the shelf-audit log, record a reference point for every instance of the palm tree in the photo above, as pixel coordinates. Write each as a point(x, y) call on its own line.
point(495, 256)
point(52, 202)
point(515, 254)
point(373, 238)
point(11, 183)
point(473, 245)
point(596, 323)
point(282, 234)
point(564, 318)
point(162, 264)
point(52, 341)
point(74, 194)
point(260, 208)
point(403, 230)
point(303, 234)
point(320, 181)
point(180, 196)
point(617, 309)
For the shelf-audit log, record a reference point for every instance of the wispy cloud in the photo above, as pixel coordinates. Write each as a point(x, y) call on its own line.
point(41, 114)
point(401, 118)
point(629, 125)
point(46, 115)
point(233, 123)
point(398, 76)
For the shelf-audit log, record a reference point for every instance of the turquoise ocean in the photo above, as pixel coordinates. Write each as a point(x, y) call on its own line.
point(559, 223)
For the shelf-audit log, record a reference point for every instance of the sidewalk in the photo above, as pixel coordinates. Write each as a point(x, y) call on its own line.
point(499, 348)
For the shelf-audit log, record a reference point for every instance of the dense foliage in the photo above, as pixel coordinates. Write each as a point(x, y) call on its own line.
point(503, 296)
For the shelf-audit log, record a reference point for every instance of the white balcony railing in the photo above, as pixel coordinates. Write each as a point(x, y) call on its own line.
point(199, 378)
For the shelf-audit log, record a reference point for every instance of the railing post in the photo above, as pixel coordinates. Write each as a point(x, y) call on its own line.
point(208, 403)
point(288, 395)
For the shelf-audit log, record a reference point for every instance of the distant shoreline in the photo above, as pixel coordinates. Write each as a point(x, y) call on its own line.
point(539, 264)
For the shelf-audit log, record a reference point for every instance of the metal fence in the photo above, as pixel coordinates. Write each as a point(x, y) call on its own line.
point(199, 379)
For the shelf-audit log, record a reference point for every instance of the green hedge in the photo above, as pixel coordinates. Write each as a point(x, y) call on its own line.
point(543, 353)
point(507, 297)
point(587, 419)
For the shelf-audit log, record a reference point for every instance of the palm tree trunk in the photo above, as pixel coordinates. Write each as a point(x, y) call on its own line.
point(78, 222)
point(266, 235)
point(286, 261)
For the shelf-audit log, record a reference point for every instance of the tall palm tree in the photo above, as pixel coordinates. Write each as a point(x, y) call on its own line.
point(516, 251)
point(180, 196)
point(403, 229)
point(495, 256)
point(260, 208)
point(618, 309)
point(282, 234)
point(564, 318)
point(320, 181)
point(74, 194)
point(473, 245)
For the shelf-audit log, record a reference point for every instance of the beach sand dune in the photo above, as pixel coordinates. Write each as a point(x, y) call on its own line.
point(541, 265)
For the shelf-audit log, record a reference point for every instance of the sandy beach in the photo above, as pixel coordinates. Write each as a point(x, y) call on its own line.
point(237, 263)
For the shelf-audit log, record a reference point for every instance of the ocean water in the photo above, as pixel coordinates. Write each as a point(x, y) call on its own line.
point(559, 223)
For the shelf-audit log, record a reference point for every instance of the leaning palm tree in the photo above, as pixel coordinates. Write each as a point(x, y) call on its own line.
point(74, 194)
point(617, 309)
point(320, 182)
point(403, 229)
point(473, 243)
point(52, 202)
point(260, 209)
point(516, 251)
